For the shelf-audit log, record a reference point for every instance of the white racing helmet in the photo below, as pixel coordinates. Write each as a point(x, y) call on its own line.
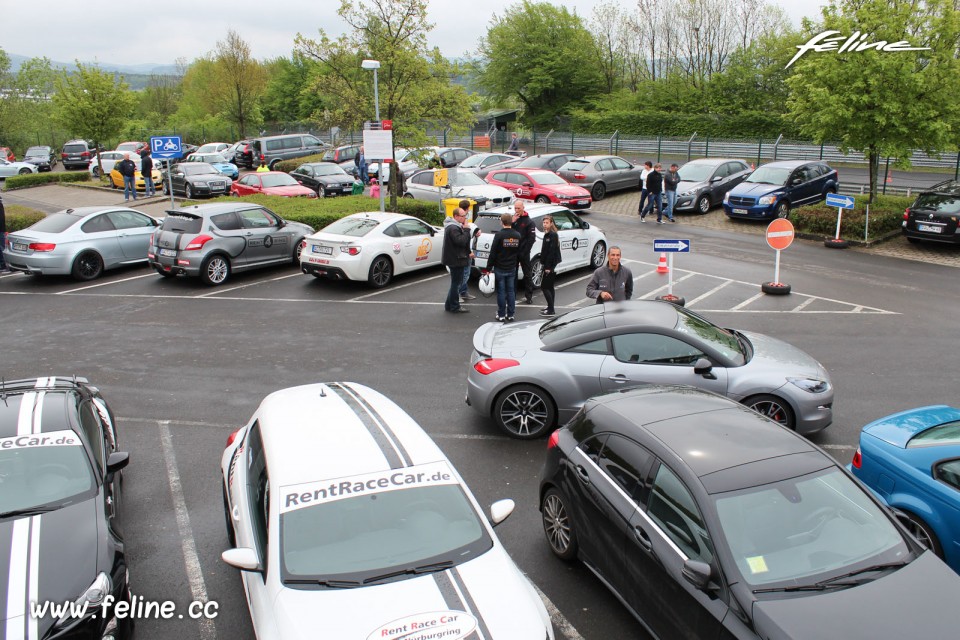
point(488, 285)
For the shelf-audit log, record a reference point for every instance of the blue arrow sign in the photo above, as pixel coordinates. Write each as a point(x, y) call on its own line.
point(678, 246)
point(165, 147)
point(843, 202)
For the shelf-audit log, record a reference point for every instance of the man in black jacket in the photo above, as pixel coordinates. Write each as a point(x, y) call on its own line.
point(528, 235)
point(550, 257)
point(654, 194)
point(146, 170)
point(504, 256)
point(128, 170)
point(456, 255)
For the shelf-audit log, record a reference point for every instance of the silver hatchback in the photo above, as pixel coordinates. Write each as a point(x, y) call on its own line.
point(601, 174)
point(214, 240)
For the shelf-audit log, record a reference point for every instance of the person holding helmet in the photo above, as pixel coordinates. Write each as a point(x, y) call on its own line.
point(504, 258)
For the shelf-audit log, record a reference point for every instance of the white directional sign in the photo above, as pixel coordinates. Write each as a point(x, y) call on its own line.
point(676, 246)
point(165, 147)
point(836, 200)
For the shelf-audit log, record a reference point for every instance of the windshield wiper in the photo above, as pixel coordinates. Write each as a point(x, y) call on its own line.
point(835, 581)
point(333, 584)
point(29, 511)
point(425, 568)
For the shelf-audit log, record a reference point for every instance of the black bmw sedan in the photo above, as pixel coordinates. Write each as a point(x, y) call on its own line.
point(708, 520)
point(61, 539)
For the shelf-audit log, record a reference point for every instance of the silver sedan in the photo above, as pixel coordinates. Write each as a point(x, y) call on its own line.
point(82, 242)
point(481, 164)
point(601, 174)
point(8, 169)
point(459, 185)
point(530, 376)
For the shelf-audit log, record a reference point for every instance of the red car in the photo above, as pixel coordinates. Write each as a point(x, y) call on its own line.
point(541, 185)
point(271, 183)
point(7, 154)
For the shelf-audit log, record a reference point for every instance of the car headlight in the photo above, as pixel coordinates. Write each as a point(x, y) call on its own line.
point(811, 385)
point(691, 192)
point(560, 196)
point(767, 200)
point(91, 598)
point(726, 197)
point(200, 183)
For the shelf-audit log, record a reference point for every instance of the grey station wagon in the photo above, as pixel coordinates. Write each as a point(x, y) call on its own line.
point(214, 240)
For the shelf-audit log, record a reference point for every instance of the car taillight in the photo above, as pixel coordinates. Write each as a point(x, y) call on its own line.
point(63, 156)
point(262, 158)
point(151, 238)
point(553, 440)
point(857, 459)
point(303, 245)
point(350, 250)
point(579, 176)
point(231, 438)
point(197, 243)
point(491, 365)
point(906, 213)
point(85, 154)
point(42, 246)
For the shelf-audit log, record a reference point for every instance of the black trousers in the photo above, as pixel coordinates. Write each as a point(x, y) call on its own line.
point(527, 275)
point(549, 294)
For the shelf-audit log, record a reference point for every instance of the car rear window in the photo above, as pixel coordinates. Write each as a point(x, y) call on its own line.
point(182, 223)
point(74, 148)
point(488, 224)
point(940, 202)
point(947, 433)
point(574, 165)
point(56, 223)
point(572, 324)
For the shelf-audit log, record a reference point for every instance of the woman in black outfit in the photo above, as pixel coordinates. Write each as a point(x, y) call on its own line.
point(549, 257)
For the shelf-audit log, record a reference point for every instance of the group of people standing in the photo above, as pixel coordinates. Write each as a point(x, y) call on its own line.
point(128, 169)
point(653, 186)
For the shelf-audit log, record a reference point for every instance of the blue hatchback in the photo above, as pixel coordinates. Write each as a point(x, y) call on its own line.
point(777, 187)
point(911, 460)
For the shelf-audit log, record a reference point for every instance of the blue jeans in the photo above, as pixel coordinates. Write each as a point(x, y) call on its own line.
point(466, 279)
point(453, 295)
point(671, 201)
point(364, 176)
point(506, 292)
point(129, 184)
point(643, 199)
point(148, 188)
point(653, 202)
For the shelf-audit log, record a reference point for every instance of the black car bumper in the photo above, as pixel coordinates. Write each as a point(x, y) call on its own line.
point(323, 270)
point(209, 191)
point(41, 165)
point(911, 231)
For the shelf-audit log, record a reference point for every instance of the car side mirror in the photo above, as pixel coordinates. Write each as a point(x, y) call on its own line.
point(704, 367)
point(796, 181)
point(501, 510)
point(281, 224)
point(433, 231)
point(527, 184)
point(242, 558)
point(584, 224)
point(117, 460)
point(716, 178)
point(695, 572)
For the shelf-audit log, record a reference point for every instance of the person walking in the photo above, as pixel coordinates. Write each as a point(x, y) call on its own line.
point(146, 170)
point(128, 170)
point(456, 255)
point(514, 143)
point(549, 257)
point(611, 282)
point(360, 160)
point(463, 205)
point(670, 181)
point(654, 194)
point(528, 236)
point(504, 258)
point(647, 168)
point(3, 238)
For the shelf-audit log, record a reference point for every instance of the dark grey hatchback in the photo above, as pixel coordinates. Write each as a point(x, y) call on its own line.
point(934, 215)
point(708, 520)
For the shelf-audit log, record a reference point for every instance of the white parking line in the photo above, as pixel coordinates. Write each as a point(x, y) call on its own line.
point(747, 301)
point(803, 305)
point(666, 286)
point(244, 286)
point(104, 284)
point(401, 286)
point(198, 589)
point(690, 303)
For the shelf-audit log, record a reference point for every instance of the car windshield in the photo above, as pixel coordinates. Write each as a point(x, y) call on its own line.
point(214, 157)
point(43, 470)
point(799, 531)
point(350, 226)
point(328, 170)
point(466, 180)
point(278, 180)
point(722, 340)
point(410, 525)
point(571, 324)
point(546, 177)
point(694, 172)
point(197, 168)
point(36, 151)
point(941, 202)
point(127, 146)
point(55, 223)
point(947, 433)
point(210, 147)
point(769, 175)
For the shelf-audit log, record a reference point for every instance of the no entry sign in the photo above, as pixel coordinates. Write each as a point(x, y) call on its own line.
point(780, 234)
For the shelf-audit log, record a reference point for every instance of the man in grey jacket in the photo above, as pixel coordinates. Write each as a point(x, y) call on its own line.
point(456, 255)
point(611, 282)
point(670, 181)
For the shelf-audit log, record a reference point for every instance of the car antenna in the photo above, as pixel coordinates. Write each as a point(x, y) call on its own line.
point(323, 394)
point(3, 391)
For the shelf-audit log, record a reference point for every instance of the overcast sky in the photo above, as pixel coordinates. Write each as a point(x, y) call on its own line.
point(160, 32)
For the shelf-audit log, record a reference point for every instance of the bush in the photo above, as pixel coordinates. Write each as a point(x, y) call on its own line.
point(886, 216)
point(319, 212)
point(20, 217)
point(36, 179)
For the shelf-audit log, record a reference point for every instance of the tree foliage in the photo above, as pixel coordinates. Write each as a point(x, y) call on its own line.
point(24, 99)
point(288, 94)
point(882, 103)
point(241, 81)
point(542, 56)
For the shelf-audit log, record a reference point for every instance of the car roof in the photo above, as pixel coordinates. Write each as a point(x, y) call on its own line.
point(212, 208)
point(383, 216)
point(338, 429)
point(83, 212)
point(707, 432)
point(951, 187)
point(714, 161)
point(791, 164)
point(533, 209)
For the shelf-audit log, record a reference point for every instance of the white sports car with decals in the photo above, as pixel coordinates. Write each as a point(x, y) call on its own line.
point(347, 521)
point(371, 247)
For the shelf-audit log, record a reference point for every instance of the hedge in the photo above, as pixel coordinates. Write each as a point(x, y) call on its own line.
point(886, 216)
point(19, 217)
point(35, 179)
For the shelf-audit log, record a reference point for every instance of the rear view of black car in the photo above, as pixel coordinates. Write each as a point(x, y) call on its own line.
point(61, 539)
point(934, 215)
point(708, 520)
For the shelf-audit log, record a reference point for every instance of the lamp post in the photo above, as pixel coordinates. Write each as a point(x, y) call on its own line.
point(375, 64)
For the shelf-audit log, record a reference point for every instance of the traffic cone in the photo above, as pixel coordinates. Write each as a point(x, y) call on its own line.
point(662, 266)
point(752, 167)
point(889, 178)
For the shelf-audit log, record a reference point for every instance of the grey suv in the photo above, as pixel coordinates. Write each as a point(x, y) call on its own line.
point(273, 149)
point(77, 154)
point(214, 240)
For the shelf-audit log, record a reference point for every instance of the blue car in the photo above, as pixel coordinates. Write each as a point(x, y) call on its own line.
point(218, 161)
point(912, 461)
point(777, 187)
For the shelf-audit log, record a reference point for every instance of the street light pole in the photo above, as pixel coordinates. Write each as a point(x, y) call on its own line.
point(375, 64)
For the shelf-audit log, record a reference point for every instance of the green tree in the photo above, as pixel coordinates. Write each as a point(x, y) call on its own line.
point(25, 107)
point(543, 56)
point(413, 80)
point(92, 104)
point(881, 103)
point(288, 94)
point(241, 82)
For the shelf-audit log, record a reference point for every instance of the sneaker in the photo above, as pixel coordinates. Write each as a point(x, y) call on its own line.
point(661, 222)
point(641, 219)
point(509, 318)
point(546, 312)
point(673, 219)
point(501, 318)
point(466, 297)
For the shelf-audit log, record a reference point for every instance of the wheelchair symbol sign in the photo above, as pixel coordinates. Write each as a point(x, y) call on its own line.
point(165, 146)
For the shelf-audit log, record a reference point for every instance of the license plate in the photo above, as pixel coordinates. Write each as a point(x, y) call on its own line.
point(482, 254)
point(582, 201)
point(19, 246)
point(931, 229)
point(168, 253)
point(324, 250)
point(740, 211)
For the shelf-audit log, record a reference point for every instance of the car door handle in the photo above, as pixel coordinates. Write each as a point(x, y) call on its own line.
point(249, 233)
point(236, 513)
point(643, 538)
point(582, 474)
point(619, 378)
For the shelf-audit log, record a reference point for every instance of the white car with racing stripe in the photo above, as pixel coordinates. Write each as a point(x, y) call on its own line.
point(371, 247)
point(347, 521)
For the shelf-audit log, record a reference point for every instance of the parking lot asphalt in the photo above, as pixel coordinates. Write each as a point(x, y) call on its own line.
point(184, 365)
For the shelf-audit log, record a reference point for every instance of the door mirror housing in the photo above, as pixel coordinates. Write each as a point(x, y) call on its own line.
point(696, 573)
point(117, 460)
point(501, 510)
point(527, 184)
point(704, 367)
point(242, 558)
point(584, 224)
point(716, 178)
